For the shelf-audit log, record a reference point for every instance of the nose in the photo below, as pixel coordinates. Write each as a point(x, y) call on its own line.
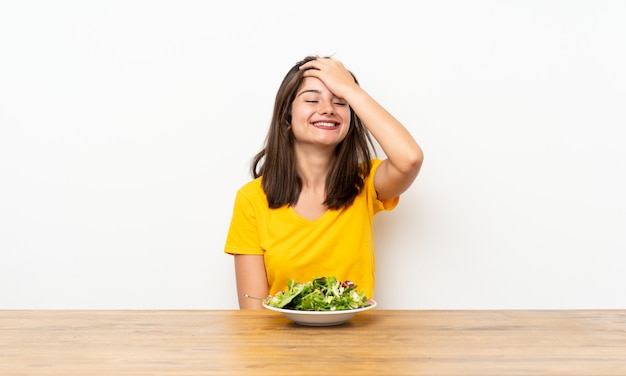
point(326, 108)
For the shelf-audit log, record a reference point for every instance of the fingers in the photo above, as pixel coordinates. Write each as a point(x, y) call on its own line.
point(322, 63)
point(332, 72)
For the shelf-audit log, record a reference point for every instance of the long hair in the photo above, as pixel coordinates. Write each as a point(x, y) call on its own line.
point(276, 162)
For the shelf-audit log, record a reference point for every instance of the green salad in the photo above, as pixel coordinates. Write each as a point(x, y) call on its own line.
point(319, 294)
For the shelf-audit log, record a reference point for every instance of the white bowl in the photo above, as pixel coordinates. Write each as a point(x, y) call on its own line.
point(320, 318)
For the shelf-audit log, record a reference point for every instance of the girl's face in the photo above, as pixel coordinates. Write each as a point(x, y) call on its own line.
point(318, 117)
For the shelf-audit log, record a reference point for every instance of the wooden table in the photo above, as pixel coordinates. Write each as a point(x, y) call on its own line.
point(376, 342)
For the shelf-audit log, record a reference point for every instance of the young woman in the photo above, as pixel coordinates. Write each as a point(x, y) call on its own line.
point(309, 210)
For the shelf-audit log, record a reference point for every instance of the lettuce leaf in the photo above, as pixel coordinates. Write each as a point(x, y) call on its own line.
point(319, 294)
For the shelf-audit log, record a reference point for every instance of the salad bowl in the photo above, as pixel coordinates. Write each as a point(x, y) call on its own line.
point(320, 318)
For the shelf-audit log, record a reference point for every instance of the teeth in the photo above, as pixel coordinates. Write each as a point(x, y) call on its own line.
point(324, 124)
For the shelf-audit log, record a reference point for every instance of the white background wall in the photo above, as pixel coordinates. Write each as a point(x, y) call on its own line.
point(127, 126)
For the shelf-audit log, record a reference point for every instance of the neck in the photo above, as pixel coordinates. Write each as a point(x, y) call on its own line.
point(313, 169)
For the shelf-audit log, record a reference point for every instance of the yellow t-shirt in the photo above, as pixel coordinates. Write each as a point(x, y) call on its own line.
point(339, 243)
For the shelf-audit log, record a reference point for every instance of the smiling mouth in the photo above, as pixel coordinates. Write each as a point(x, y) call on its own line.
point(325, 124)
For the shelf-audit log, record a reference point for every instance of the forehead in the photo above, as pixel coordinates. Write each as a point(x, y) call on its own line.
point(313, 84)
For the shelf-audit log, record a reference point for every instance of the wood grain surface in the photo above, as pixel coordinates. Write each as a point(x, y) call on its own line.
point(376, 342)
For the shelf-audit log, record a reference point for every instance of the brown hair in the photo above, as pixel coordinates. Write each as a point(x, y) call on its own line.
point(276, 163)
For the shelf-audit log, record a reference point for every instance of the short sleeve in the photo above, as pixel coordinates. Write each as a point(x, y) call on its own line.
point(379, 205)
point(243, 233)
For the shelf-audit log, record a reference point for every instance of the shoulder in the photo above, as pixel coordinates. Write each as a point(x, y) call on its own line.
point(251, 188)
point(252, 191)
point(388, 204)
point(374, 164)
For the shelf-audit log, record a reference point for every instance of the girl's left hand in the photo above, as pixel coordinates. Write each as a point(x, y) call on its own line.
point(332, 73)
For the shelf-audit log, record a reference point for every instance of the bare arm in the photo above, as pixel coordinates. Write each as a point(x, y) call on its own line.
point(251, 279)
point(404, 156)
